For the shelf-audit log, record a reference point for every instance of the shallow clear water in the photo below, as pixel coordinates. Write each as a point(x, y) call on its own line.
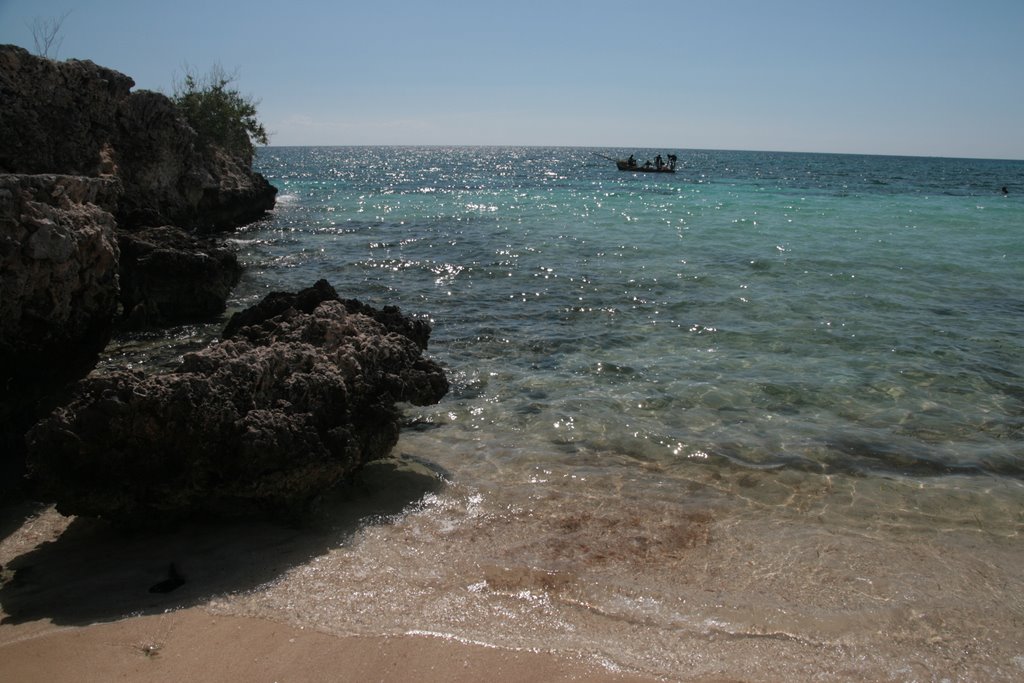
point(762, 417)
point(831, 313)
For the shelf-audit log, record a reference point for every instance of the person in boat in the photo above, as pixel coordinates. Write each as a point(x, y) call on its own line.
point(672, 161)
point(647, 164)
point(632, 161)
point(658, 163)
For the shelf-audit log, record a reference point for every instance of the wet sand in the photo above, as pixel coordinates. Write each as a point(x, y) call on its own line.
point(76, 604)
point(835, 582)
point(193, 645)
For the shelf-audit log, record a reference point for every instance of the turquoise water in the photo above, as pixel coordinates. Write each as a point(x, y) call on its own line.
point(824, 312)
point(762, 417)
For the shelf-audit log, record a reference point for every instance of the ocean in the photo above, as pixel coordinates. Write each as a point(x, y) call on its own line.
point(762, 418)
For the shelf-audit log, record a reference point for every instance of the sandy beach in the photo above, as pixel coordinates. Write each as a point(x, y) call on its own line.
point(766, 600)
point(193, 645)
point(75, 605)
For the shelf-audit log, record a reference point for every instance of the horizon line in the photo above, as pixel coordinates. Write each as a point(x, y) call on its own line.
point(612, 147)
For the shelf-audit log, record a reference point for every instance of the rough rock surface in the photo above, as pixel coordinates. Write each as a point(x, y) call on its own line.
point(58, 291)
point(169, 276)
point(58, 263)
point(56, 117)
point(83, 157)
point(236, 197)
point(168, 180)
point(267, 420)
point(78, 118)
point(308, 299)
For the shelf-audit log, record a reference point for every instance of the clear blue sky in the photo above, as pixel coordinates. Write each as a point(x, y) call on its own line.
point(920, 77)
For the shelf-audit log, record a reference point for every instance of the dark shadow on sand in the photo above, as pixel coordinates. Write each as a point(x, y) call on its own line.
point(93, 572)
point(14, 513)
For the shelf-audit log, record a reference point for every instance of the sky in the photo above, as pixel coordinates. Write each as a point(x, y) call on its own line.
point(905, 77)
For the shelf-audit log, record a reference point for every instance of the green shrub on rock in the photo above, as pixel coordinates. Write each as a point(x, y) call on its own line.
point(219, 113)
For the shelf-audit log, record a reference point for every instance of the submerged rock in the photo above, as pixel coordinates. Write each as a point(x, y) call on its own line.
point(292, 404)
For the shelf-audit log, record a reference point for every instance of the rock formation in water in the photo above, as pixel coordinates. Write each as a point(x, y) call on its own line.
point(300, 395)
point(85, 165)
point(169, 179)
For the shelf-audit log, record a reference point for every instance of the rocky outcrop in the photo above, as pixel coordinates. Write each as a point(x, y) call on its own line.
point(75, 117)
point(290, 405)
point(236, 197)
point(58, 263)
point(78, 118)
point(168, 180)
point(58, 294)
point(82, 157)
point(169, 276)
point(57, 117)
point(308, 299)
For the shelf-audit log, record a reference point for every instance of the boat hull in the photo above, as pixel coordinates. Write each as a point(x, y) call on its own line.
point(625, 166)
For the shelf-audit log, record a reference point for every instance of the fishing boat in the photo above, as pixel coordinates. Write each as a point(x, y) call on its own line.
point(657, 166)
